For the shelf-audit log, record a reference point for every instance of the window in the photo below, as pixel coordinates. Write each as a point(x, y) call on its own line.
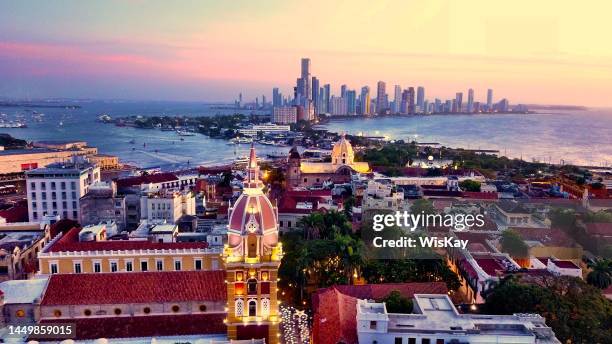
point(265, 307)
point(146, 310)
point(144, 265)
point(43, 195)
point(63, 194)
point(411, 340)
point(398, 340)
point(202, 308)
point(129, 266)
point(252, 308)
point(113, 266)
point(372, 325)
point(425, 341)
point(239, 307)
point(97, 267)
point(75, 214)
point(77, 268)
point(43, 185)
point(176, 308)
point(32, 185)
point(34, 215)
point(87, 312)
point(33, 194)
point(73, 185)
point(439, 341)
point(159, 265)
point(117, 311)
point(33, 205)
point(252, 286)
point(53, 268)
point(63, 185)
point(177, 265)
point(52, 185)
point(57, 313)
point(198, 264)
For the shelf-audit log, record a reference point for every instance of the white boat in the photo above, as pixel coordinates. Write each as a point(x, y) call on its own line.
point(241, 140)
point(185, 133)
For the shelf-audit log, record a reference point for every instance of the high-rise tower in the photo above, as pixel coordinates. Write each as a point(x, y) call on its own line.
point(252, 257)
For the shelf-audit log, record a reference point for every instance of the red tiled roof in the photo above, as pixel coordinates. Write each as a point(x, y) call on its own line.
point(151, 178)
point(547, 236)
point(135, 287)
point(69, 242)
point(477, 241)
point(335, 308)
point(17, 213)
point(146, 326)
point(599, 228)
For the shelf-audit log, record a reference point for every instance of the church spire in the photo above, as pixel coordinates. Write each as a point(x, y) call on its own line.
point(253, 170)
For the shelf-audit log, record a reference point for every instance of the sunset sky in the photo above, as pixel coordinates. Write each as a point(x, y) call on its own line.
point(548, 52)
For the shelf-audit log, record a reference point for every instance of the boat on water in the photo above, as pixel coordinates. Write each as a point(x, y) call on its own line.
point(104, 118)
point(240, 140)
point(243, 160)
point(13, 125)
point(185, 133)
point(267, 143)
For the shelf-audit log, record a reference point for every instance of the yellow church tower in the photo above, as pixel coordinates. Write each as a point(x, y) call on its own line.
point(252, 257)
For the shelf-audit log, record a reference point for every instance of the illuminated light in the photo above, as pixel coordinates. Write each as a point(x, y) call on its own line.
point(226, 309)
point(473, 307)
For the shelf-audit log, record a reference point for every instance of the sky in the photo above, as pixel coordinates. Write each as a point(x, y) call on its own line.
point(545, 52)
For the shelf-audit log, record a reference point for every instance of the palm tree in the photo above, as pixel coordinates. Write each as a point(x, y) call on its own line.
point(601, 273)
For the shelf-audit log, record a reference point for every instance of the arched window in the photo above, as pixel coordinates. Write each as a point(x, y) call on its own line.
point(265, 307)
point(252, 308)
point(239, 306)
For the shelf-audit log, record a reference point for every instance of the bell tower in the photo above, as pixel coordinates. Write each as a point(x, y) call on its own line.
point(252, 257)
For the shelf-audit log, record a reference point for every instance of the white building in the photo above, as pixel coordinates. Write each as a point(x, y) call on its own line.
point(57, 188)
point(267, 128)
point(437, 321)
point(166, 206)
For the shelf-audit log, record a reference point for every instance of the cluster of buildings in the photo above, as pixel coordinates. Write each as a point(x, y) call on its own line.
point(311, 98)
point(152, 283)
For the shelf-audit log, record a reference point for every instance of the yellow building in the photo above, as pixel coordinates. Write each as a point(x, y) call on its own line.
point(252, 257)
point(339, 170)
point(65, 254)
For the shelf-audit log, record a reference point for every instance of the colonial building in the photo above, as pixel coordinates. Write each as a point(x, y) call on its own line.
point(339, 170)
point(252, 257)
point(67, 254)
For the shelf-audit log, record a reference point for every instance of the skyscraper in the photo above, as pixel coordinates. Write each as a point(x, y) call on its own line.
point(458, 101)
point(305, 76)
point(411, 108)
point(343, 91)
point(381, 97)
point(470, 104)
point(404, 103)
point(489, 100)
point(365, 100)
point(277, 97)
point(351, 99)
point(420, 97)
point(327, 97)
point(397, 99)
point(315, 94)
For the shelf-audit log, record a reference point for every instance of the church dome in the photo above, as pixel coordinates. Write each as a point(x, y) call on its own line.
point(252, 214)
point(342, 153)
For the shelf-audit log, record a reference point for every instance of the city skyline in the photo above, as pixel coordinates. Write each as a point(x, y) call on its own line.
point(212, 51)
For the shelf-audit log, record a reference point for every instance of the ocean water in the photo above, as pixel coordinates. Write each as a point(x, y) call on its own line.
point(577, 137)
point(580, 137)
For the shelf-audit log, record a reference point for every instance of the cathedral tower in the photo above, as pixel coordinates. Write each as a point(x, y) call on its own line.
point(252, 257)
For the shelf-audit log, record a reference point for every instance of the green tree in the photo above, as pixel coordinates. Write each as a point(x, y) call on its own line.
point(574, 310)
point(513, 244)
point(601, 274)
point(470, 185)
point(396, 303)
point(423, 206)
